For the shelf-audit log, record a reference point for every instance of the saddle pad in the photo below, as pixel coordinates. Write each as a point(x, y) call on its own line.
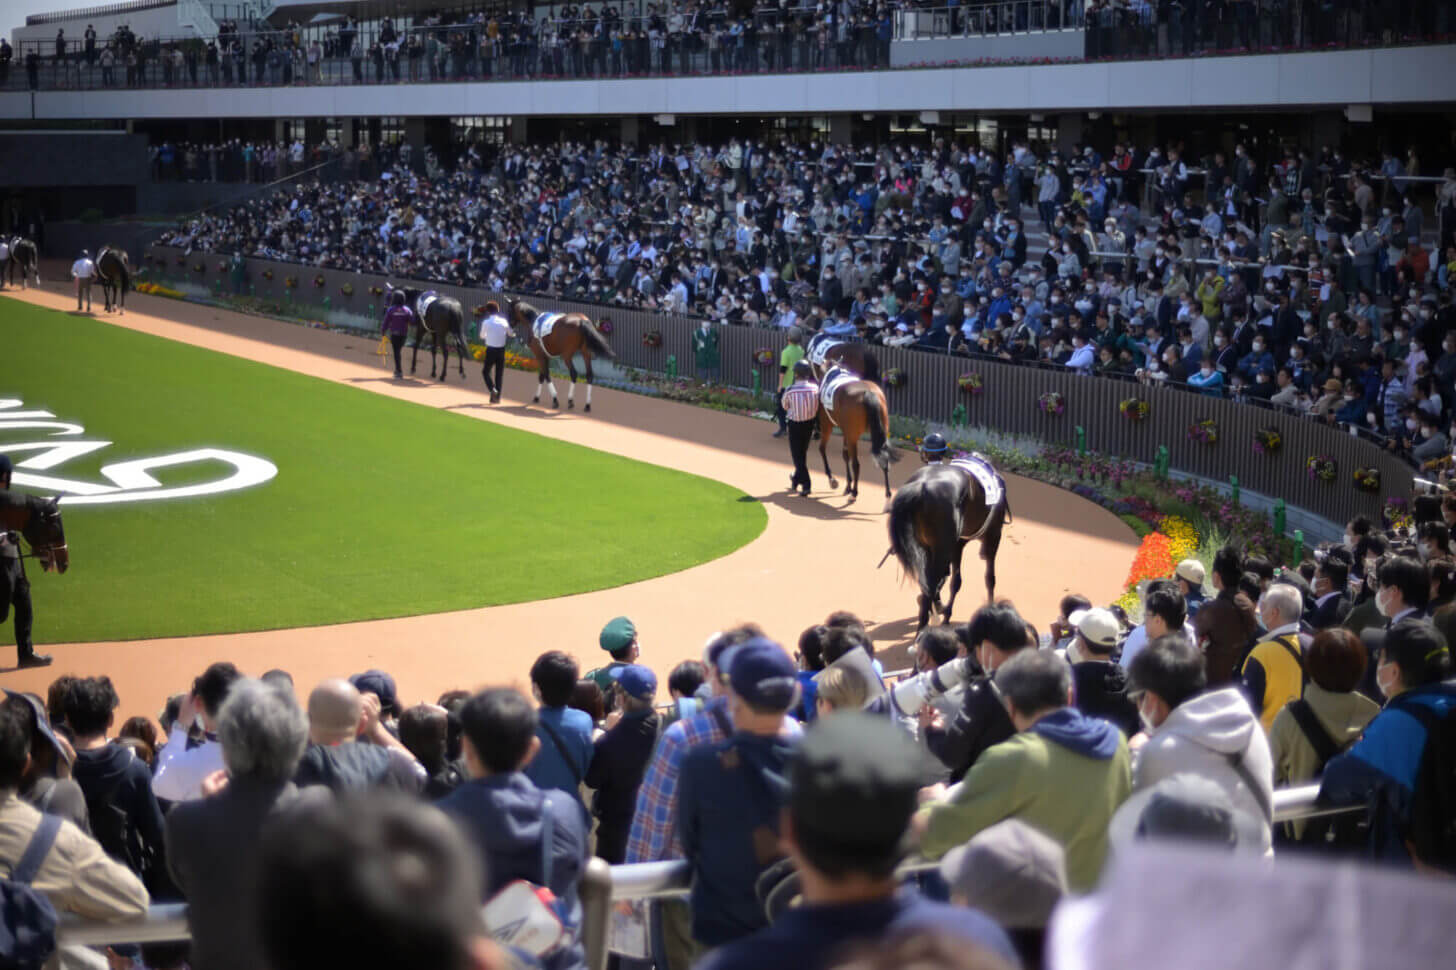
point(541, 326)
point(833, 381)
point(819, 348)
point(422, 305)
point(980, 469)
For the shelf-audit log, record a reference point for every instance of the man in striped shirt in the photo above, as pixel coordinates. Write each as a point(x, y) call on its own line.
point(801, 403)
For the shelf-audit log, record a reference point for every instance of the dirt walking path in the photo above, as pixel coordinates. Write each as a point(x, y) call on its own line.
point(816, 555)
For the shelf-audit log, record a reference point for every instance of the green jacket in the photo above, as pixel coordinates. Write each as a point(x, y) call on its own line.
point(705, 347)
point(1046, 784)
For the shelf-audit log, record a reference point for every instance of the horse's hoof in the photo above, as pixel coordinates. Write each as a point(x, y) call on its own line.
point(556, 405)
point(571, 405)
point(586, 408)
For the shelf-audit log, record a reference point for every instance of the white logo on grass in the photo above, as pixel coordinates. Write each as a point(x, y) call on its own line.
point(127, 481)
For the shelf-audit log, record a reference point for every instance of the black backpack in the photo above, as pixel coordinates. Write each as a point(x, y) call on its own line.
point(27, 918)
point(1431, 837)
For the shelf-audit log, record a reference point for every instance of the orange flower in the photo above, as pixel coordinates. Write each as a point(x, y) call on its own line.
point(1154, 560)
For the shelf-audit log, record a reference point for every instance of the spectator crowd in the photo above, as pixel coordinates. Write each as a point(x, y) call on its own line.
point(456, 832)
point(1308, 280)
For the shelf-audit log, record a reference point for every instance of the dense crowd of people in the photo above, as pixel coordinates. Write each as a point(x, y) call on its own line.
point(304, 833)
point(1308, 280)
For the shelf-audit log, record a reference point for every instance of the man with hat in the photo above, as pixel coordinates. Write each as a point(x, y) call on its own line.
point(15, 588)
point(853, 784)
point(619, 639)
point(801, 407)
point(1189, 576)
point(730, 794)
point(83, 270)
point(47, 785)
point(1015, 875)
point(619, 759)
point(1099, 682)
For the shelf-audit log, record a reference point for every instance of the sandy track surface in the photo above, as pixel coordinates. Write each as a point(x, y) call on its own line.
point(816, 555)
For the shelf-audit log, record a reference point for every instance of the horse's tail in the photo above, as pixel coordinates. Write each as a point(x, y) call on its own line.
point(596, 341)
point(871, 366)
point(878, 416)
point(913, 504)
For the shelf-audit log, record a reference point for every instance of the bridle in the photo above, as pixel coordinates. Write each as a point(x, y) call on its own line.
point(50, 554)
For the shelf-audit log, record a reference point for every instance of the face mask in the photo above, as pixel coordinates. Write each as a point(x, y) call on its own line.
point(1258, 346)
point(1400, 335)
point(1386, 686)
point(1382, 604)
point(1410, 424)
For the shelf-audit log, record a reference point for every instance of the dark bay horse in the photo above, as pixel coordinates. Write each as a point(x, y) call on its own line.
point(444, 318)
point(39, 520)
point(114, 271)
point(24, 257)
point(825, 352)
point(934, 515)
point(562, 335)
point(855, 406)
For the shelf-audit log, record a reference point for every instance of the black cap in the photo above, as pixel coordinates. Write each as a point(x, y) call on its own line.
point(803, 369)
point(6, 466)
point(854, 780)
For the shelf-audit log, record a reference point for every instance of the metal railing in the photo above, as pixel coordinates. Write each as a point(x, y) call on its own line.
point(994, 18)
point(601, 886)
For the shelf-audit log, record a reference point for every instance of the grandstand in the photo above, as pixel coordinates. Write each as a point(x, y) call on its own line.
point(1192, 262)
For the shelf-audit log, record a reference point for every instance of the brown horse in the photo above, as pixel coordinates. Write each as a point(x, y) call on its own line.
point(932, 518)
point(855, 406)
point(826, 352)
point(562, 335)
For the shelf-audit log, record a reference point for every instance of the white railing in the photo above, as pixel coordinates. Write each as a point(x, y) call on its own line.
point(191, 13)
point(601, 886)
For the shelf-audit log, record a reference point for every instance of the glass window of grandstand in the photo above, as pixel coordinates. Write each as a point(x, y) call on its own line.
point(481, 129)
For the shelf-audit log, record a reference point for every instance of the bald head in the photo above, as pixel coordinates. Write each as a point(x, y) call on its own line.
point(334, 710)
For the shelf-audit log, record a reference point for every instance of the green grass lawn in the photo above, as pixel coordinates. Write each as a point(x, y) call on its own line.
point(380, 507)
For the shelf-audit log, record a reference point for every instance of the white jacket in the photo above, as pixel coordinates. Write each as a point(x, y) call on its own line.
point(1199, 737)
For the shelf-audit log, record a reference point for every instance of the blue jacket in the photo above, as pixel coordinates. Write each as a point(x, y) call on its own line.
point(502, 814)
point(1380, 769)
point(729, 796)
point(551, 767)
point(807, 937)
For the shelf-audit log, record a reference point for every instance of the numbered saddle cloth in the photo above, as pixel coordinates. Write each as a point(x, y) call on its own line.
point(422, 305)
point(819, 347)
point(541, 326)
point(980, 469)
point(833, 381)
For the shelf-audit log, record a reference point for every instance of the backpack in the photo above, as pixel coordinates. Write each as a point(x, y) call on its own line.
point(111, 826)
point(1344, 834)
point(527, 916)
point(1431, 836)
point(27, 918)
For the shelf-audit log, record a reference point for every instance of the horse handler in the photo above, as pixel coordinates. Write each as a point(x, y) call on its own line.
point(397, 320)
point(15, 588)
point(801, 407)
point(84, 271)
point(495, 330)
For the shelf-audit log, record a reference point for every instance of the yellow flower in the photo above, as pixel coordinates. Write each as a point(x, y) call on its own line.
point(1183, 538)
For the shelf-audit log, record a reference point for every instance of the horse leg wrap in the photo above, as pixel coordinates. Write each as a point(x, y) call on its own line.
point(588, 397)
point(571, 395)
point(555, 401)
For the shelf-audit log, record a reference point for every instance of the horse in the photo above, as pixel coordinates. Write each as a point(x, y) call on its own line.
point(444, 317)
point(560, 335)
point(934, 515)
point(39, 520)
point(826, 351)
point(26, 258)
point(854, 405)
point(114, 271)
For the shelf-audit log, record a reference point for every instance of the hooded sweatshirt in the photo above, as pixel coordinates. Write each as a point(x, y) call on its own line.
point(1065, 776)
point(1206, 735)
point(1101, 691)
point(503, 814)
point(124, 814)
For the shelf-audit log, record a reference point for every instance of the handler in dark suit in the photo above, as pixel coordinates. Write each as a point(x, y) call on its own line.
point(1331, 590)
point(212, 842)
point(15, 588)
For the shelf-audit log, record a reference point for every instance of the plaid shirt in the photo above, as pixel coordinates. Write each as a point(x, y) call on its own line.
point(653, 837)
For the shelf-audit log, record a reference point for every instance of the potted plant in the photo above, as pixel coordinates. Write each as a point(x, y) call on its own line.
point(652, 339)
point(1367, 480)
point(1135, 408)
point(1051, 403)
point(971, 383)
point(1267, 441)
point(1321, 468)
point(1205, 431)
point(895, 377)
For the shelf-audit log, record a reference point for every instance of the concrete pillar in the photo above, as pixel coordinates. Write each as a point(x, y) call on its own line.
point(277, 129)
point(1069, 132)
point(630, 130)
point(841, 129)
point(516, 131)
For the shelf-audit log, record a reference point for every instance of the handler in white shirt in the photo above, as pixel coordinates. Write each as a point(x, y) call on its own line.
point(495, 330)
point(83, 270)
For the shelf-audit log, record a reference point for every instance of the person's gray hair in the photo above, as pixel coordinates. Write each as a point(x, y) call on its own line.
point(1284, 600)
point(262, 731)
point(1035, 680)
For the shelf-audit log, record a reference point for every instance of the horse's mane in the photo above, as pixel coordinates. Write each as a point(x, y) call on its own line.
point(8, 497)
